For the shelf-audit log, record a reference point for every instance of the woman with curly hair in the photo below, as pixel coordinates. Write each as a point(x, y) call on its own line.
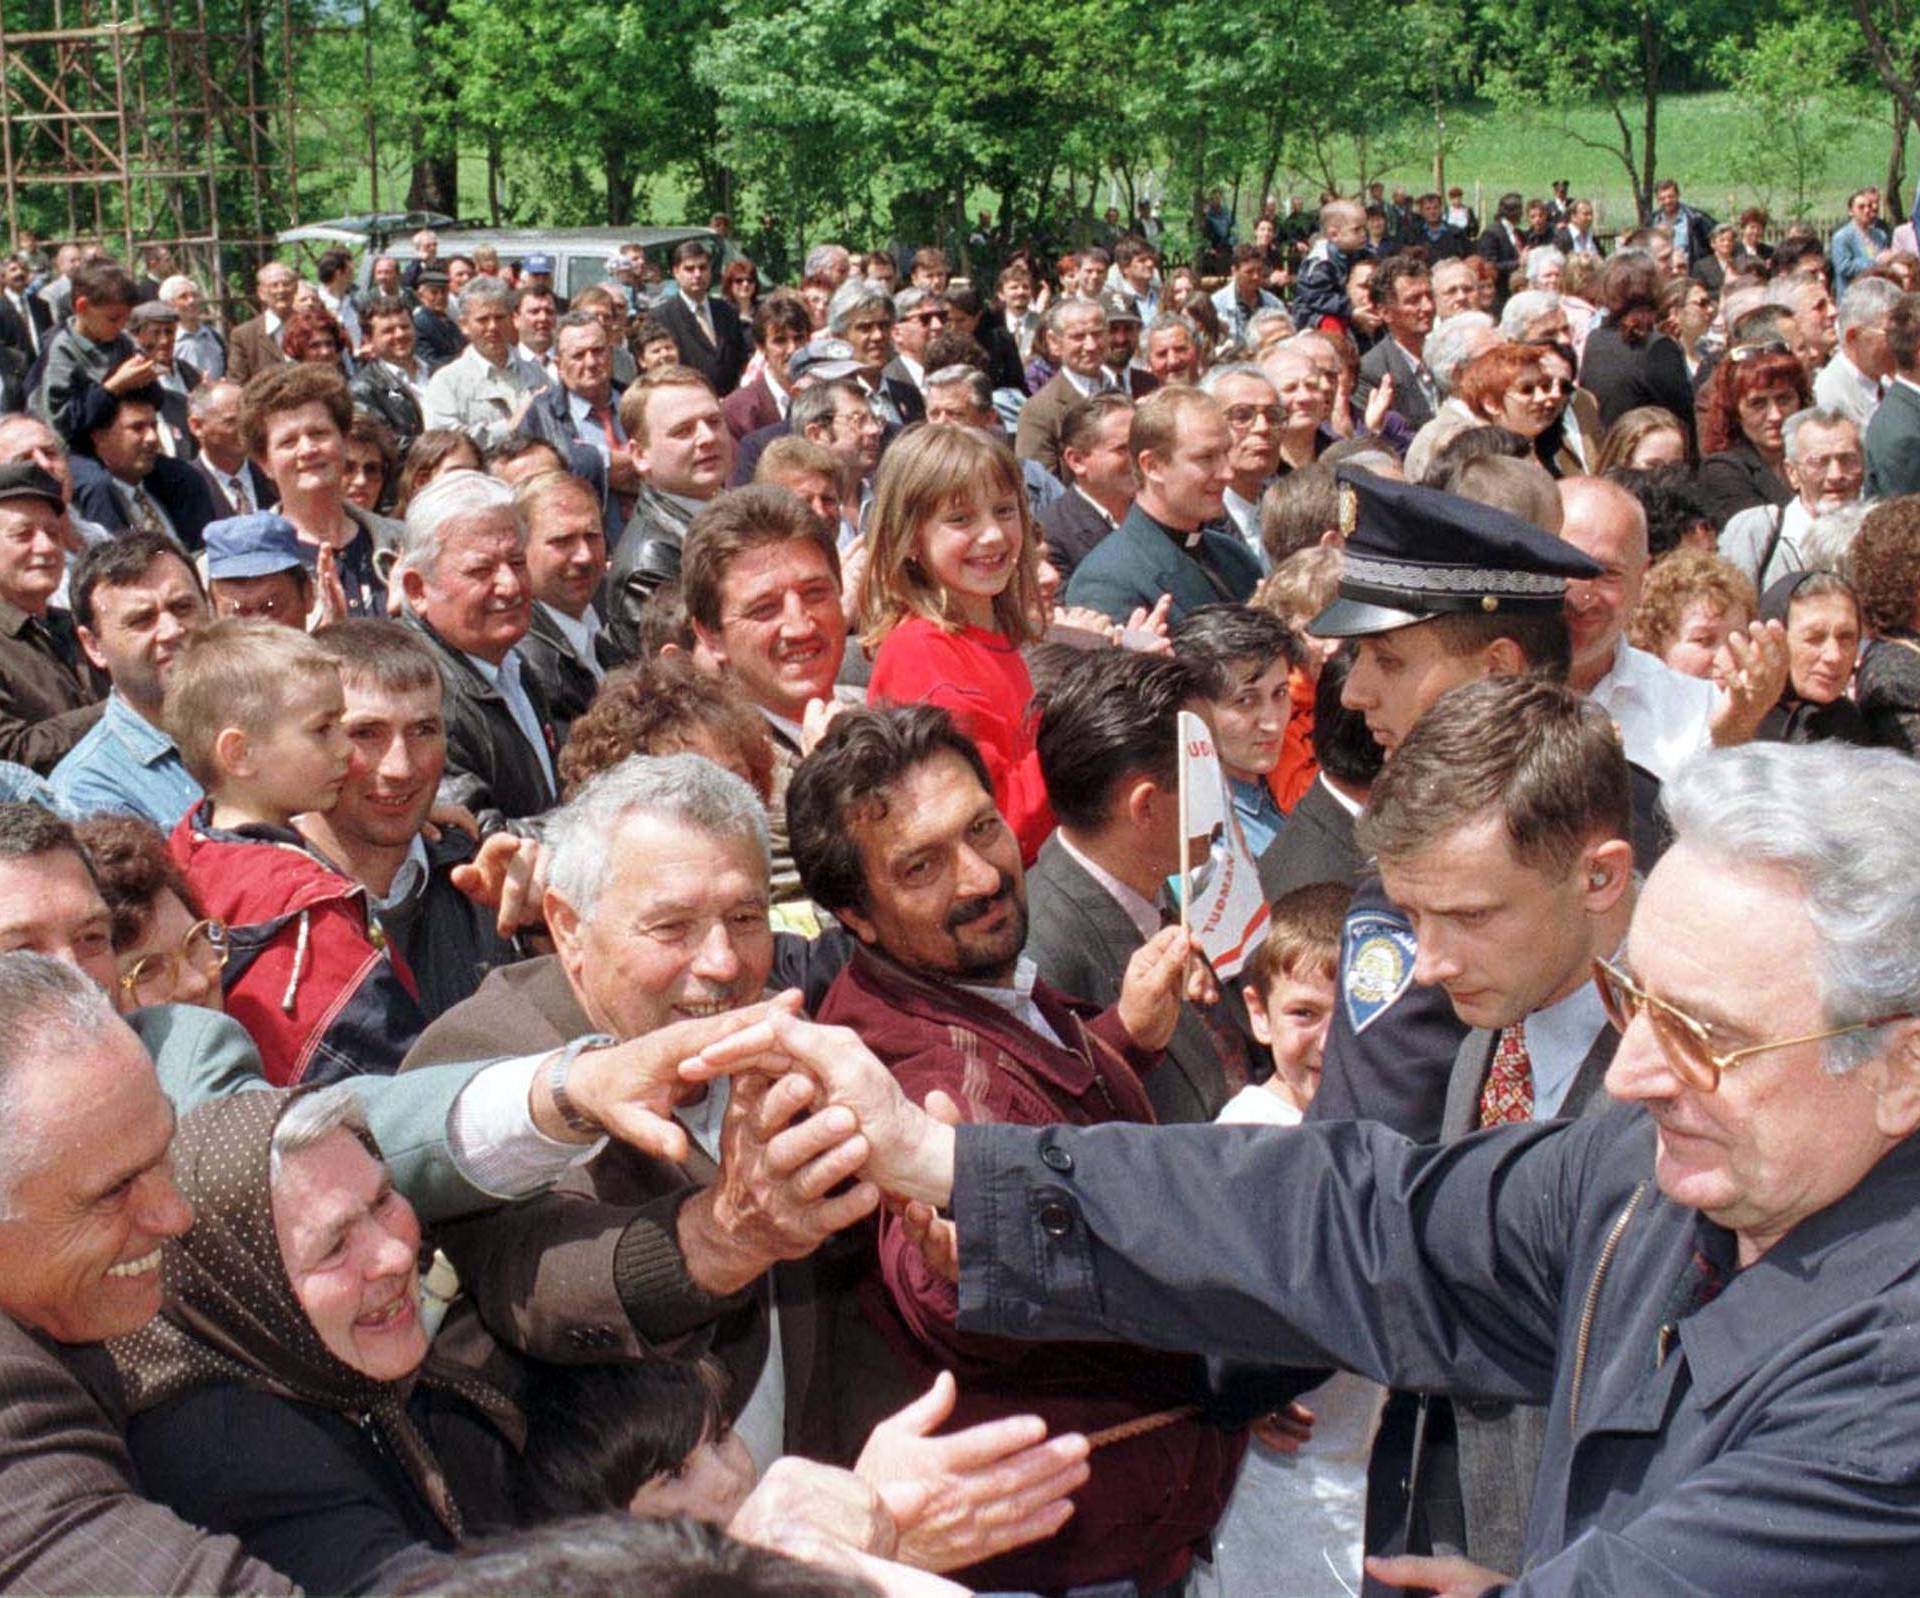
point(665, 707)
point(314, 335)
point(1742, 429)
point(1886, 576)
point(1691, 603)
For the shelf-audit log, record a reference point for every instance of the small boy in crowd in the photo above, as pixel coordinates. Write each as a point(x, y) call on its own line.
point(93, 343)
point(1248, 655)
point(256, 709)
point(1289, 988)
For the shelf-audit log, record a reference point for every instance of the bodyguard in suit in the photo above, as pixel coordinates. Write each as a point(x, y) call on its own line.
point(566, 561)
point(1575, 236)
point(1417, 559)
point(1403, 294)
point(707, 331)
point(1168, 543)
point(1893, 436)
point(1502, 827)
point(1108, 741)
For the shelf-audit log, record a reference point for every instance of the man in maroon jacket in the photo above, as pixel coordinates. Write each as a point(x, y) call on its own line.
point(894, 830)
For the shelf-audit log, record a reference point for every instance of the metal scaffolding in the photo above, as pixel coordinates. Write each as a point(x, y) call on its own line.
point(175, 122)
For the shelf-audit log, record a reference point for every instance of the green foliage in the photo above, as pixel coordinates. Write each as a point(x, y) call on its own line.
point(1797, 81)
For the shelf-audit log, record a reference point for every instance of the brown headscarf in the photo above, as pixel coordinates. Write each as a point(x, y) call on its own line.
point(230, 1314)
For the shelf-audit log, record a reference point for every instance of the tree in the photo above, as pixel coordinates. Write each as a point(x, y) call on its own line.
point(1797, 83)
point(1561, 53)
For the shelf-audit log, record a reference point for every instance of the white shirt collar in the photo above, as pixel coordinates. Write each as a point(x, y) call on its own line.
point(578, 634)
point(792, 731)
point(1353, 807)
point(407, 881)
point(1017, 1000)
point(1141, 911)
point(915, 370)
point(1105, 514)
point(1086, 387)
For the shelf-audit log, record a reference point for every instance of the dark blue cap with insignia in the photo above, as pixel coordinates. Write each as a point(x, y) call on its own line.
point(1414, 553)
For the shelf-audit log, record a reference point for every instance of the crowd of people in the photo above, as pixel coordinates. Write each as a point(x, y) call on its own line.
point(595, 993)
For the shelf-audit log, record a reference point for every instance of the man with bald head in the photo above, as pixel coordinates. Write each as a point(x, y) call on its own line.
point(1663, 715)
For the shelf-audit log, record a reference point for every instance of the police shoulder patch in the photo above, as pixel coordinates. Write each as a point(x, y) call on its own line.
point(1376, 965)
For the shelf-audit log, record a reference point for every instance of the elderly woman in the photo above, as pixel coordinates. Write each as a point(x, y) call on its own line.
point(1752, 251)
point(1295, 369)
point(1886, 577)
point(1711, 271)
point(294, 420)
point(1693, 601)
point(1744, 414)
point(1821, 613)
point(284, 1395)
point(1629, 362)
point(166, 951)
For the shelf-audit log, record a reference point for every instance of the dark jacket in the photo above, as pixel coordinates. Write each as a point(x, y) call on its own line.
point(1320, 290)
point(549, 418)
point(1499, 1444)
point(1316, 845)
point(1081, 939)
point(174, 486)
point(437, 338)
point(750, 407)
point(902, 393)
point(1893, 445)
point(303, 1488)
point(265, 495)
point(448, 942)
point(79, 1519)
point(50, 694)
point(1143, 559)
point(648, 555)
point(1799, 721)
point(1071, 526)
point(386, 399)
point(491, 769)
point(1888, 685)
point(1386, 359)
point(1150, 1496)
point(1621, 376)
point(1535, 1264)
point(1737, 479)
point(719, 362)
point(550, 660)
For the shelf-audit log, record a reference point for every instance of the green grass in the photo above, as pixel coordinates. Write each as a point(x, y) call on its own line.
point(1701, 136)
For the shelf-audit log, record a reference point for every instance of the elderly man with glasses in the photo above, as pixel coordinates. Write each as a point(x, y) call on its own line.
point(1711, 1287)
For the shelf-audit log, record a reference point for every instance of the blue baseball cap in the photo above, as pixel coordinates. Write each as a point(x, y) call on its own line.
point(253, 546)
point(538, 263)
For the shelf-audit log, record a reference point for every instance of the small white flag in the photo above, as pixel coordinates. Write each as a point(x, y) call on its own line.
point(1226, 909)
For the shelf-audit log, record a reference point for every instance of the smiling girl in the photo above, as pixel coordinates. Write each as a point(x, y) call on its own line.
point(949, 598)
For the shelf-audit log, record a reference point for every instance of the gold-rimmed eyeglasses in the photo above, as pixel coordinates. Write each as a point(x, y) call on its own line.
point(1689, 1043)
point(155, 977)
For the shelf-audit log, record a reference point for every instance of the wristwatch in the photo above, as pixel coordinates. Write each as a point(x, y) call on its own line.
point(557, 1072)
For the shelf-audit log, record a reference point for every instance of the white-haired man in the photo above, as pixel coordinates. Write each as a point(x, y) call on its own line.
point(463, 572)
point(1708, 1288)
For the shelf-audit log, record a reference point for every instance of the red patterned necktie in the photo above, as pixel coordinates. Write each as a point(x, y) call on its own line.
point(1508, 1094)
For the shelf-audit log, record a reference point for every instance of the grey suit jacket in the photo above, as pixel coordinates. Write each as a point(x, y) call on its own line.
point(76, 1521)
point(1500, 1444)
point(1385, 359)
point(1081, 940)
point(1316, 845)
point(250, 349)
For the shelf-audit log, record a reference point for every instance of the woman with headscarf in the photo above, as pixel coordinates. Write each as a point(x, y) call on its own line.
point(1821, 613)
point(285, 1394)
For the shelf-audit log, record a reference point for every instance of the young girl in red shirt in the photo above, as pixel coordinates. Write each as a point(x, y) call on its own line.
point(950, 597)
